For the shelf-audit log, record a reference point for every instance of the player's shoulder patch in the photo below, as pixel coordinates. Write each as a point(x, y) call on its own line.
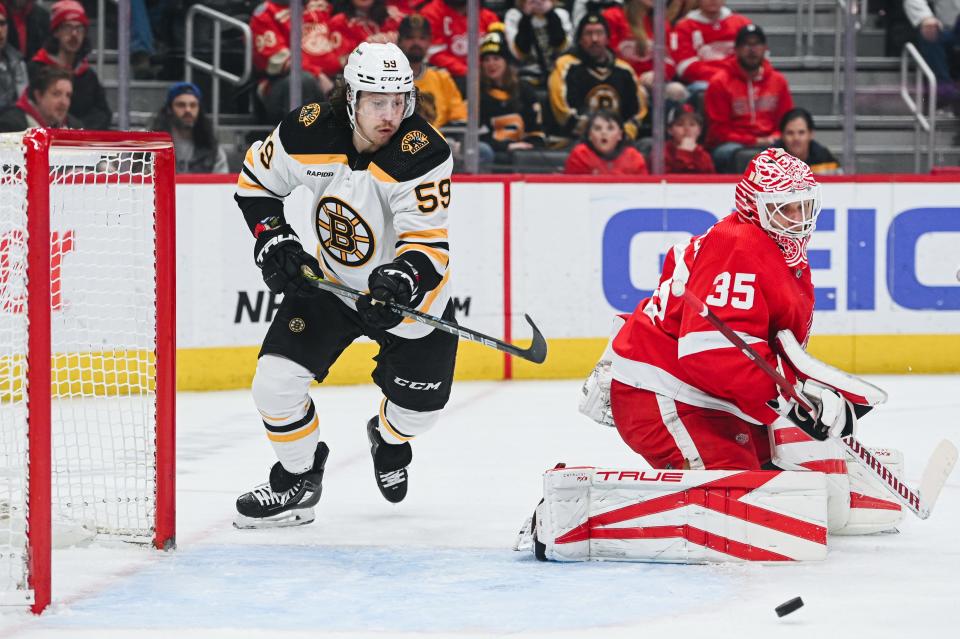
point(313, 128)
point(416, 149)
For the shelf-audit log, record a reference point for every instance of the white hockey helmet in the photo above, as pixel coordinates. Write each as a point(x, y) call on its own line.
point(378, 68)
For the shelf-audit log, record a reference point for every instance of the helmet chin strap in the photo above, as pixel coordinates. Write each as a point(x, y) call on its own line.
point(356, 130)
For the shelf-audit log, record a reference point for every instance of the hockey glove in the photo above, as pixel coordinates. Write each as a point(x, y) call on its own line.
point(835, 416)
point(280, 256)
point(396, 282)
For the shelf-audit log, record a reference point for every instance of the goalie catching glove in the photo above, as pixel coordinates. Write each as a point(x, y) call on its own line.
point(280, 256)
point(397, 282)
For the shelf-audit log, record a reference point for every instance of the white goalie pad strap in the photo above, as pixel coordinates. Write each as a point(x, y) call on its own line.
point(682, 516)
point(872, 510)
point(595, 392)
point(858, 391)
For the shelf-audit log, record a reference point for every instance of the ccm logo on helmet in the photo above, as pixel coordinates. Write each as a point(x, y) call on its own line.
point(399, 381)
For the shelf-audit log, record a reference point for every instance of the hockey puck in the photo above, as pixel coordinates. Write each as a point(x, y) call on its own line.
point(789, 606)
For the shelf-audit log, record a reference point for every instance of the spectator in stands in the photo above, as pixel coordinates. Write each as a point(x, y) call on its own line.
point(682, 152)
point(593, 78)
point(45, 102)
point(538, 32)
point(29, 26)
point(67, 48)
point(604, 150)
point(631, 37)
point(796, 136)
point(13, 70)
point(704, 39)
point(746, 102)
point(362, 21)
point(194, 140)
point(440, 100)
point(510, 116)
point(937, 38)
point(321, 56)
point(448, 24)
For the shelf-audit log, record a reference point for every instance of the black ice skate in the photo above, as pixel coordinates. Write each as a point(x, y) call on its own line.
point(285, 500)
point(390, 463)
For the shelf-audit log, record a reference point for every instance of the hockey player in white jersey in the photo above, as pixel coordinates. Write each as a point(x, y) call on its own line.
point(380, 177)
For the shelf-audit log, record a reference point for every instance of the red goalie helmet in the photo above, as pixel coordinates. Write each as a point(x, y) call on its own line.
point(779, 194)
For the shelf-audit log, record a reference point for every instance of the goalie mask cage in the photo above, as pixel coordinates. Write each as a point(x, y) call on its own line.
point(86, 345)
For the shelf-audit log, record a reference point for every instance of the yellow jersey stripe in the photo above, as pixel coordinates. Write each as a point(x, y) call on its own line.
point(320, 158)
point(295, 435)
point(426, 234)
point(244, 183)
point(380, 174)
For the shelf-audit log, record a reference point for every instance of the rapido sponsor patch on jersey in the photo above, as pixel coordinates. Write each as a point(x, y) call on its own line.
point(414, 141)
point(309, 114)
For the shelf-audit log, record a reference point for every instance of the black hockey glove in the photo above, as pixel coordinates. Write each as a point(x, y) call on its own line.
point(396, 282)
point(280, 256)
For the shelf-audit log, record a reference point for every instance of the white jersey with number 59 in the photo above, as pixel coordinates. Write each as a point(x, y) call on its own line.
point(367, 209)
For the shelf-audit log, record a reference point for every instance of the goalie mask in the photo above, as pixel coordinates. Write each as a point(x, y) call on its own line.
point(378, 68)
point(779, 193)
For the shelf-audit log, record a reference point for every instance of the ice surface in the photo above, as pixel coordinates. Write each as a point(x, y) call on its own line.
point(439, 564)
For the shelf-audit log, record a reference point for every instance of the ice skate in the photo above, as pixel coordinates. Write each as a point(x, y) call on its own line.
point(389, 464)
point(286, 499)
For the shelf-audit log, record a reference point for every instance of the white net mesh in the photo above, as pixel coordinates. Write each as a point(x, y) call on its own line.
point(103, 332)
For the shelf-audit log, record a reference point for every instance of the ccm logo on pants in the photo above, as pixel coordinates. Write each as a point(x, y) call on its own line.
point(416, 385)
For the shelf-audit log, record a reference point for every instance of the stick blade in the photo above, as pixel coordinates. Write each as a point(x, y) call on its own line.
point(941, 464)
point(537, 353)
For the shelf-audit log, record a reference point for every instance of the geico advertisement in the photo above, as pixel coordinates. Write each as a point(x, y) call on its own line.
point(222, 300)
point(884, 256)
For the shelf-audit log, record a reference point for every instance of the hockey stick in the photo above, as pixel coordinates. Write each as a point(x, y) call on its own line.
point(920, 502)
point(537, 352)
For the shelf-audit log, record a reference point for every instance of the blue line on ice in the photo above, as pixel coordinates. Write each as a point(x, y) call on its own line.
point(350, 588)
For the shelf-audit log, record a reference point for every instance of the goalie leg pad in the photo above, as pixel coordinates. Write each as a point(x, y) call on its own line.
point(681, 516)
point(871, 508)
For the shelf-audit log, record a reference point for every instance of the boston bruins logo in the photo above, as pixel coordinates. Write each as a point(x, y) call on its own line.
point(344, 235)
point(414, 141)
point(603, 96)
point(309, 114)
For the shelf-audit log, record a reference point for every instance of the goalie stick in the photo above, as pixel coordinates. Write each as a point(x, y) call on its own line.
point(536, 353)
point(921, 501)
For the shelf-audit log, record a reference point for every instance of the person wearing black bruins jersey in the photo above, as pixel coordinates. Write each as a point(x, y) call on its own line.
point(380, 177)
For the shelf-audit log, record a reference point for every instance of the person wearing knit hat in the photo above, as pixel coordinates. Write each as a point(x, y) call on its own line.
point(439, 101)
point(510, 115)
point(682, 152)
point(591, 78)
point(13, 69)
point(67, 48)
point(194, 139)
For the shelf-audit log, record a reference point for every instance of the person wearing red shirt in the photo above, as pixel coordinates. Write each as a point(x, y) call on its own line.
point(448, 23)
point(604, 151)
point(703, 40)
point(682, 152)
point(363, 21)
point(746, 102)
point(270, 26)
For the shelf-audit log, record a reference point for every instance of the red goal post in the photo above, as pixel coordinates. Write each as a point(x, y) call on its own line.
point(87, 346)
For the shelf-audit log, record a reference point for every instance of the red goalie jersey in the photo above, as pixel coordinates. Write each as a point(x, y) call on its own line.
point(680, 382)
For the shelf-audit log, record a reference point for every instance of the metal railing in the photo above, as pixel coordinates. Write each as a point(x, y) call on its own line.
point(220, 21)
point(927, 123)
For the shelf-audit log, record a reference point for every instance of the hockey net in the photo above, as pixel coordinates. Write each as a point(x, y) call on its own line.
point(86, 346)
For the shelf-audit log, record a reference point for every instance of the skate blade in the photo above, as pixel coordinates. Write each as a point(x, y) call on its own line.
point(296, 517)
